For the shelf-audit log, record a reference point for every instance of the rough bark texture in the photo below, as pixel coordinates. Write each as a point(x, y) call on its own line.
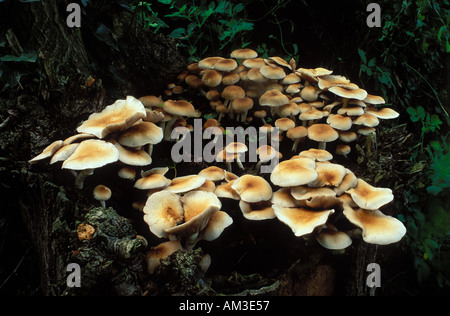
point(53, 95)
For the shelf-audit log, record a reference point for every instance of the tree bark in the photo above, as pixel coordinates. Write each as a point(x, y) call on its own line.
point(55, 93)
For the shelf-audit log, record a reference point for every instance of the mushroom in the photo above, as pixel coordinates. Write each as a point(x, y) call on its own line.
point(163, 210)
point(212, 78)
point(302, 221)
point(257, 211)
point(242, 106)
point(252, 189)
point(237, 149)
point(162, 251)
point(116, 117)
point(49, 151)
point(133, 157)
point(145, 133)
point(297, 134)
point(231, 93)
point(322, 133)
point(330, 238)
point(377, 228)
point(186, 183)
point(244, 53)
point(64, 152)
point(265, 154)
point(329, 174)
point(273, 98)
point(90, 154)
point(102, 193)
point(127, 173)
point(294, 172)
point(369, 197)
point(343, 150)
point(316, 154)
point(178, 109)
point(226, 191)
point(152, 181)
point(213, 173)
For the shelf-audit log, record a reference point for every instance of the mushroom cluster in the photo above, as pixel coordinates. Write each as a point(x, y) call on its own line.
point(306, 103)
point(121, 133)
point(314, 191)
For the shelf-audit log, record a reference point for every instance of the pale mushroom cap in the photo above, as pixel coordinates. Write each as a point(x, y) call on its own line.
point(186, 183)
point(235, 148)
point(226, 191)
point(384, 113)
point(197, 201)
point(257, 211)
point(256, 62)
point(377, 228)
point(141, 134)
point(152, 181)
point(163, 210)
point(102, 193)
point(64, 153)
point(302, 221)
point(304, 193)
point(340, 122)
point(77, 137)
point(358, 94)
point(367, 119)
point(91, 154)
point(233, 92)
point(127, 173)
point(49, 151)
point(297, 132)
point(374, 99)
point(253, 188)
point(272, 72)
point(225, 64)
point(209, 62)
point(369, 197)
point(283, 198)
point(294, 172)
point(116, 117)
point(333, 239)
point(133, 157)
point(317, 154)
point(309, 93)
point(216, 225)
point(212, 78)
point(284, 123)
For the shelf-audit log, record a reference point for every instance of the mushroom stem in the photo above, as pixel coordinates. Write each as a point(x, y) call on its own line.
point(239, 163)
point(168, 129)
point(322, 145)
point(258, 165)
point(103, 204)
point(190, 241)
point(295, 145)
point(150, 149)
point(82, 175)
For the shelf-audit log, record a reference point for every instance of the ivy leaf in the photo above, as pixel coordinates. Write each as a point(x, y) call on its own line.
point(362, 54)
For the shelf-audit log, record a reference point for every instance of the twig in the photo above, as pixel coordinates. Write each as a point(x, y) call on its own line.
point(15, 269)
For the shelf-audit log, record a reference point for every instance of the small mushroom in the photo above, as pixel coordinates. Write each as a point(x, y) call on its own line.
point(102, 193)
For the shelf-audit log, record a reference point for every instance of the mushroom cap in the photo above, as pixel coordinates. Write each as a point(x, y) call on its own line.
point(141, 134)
point(343, 149)
point(252, 189)
point(358, 94)
point(294, 172)
point(236, 148)
point(329, 174)
point(347, 136)
point(313, 114)
point(102, 193)
point(349, 181)
point(212, 78)
point(196, 202)
point(384, 113)
point(374, 99)
point(351, 111)
point(213, 173)
point(91, 154)
point(333, 239)
point(340, 122)
point(133, 157)
point(209, 62)
point(226, 191)
point(378, 228)
point(284, 123)
point(186, 183)
point(243, 53)
point(179, 107)
point(225, 64)
point(322, 133)
point(302, 221)
point(284, 198)
point(267, 153)
point(328, 81)
point(271, 72)
point(369, 197)
point(242, 104)
point(161, 252)
point(367, 119)
point(150, 101)
point(152, 181)
point(297, 132)
point(77, 137)
point(255, 75)
point(257, 211)
point(216, 225)
point(163, 210)
point(256, 62)
point(49, 151)
point(127, 173)
point(64, 152)
point(273, 98)
point(309, 93)
point(317, 154)
point(233, 92)
point(301, 193)
point(115, 117)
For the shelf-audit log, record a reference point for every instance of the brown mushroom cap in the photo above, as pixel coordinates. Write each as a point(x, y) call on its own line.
point(244, 53)
point(212, 78)
point(213, 173)
point(226, 191)
point(270, 72)
point(273, 98)
point(369, 197)
point(257, 211)
point(302, 221)
point(196, 202)
point(150, 101)
point(233, 92)
point(186, 183)
point(284, 123)
point(329, 174)
point(226, 64)
point(152, 181)
point(91, 154)
point(340, 122)
point(179, 107)
point(161, 252)
point(163, 210)
point(322, 133)
point(64, 152)
point(102, 192)
point(209, 62)
point(316, 154)
point(216, 225)
point(116, 117)
point(133, 157)
point(378, 228)
point(252, 189)
point(358, 94)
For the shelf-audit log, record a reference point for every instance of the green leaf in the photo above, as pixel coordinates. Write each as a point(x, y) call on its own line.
point(372, 62)
point(362, 54)
point(177, 33)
